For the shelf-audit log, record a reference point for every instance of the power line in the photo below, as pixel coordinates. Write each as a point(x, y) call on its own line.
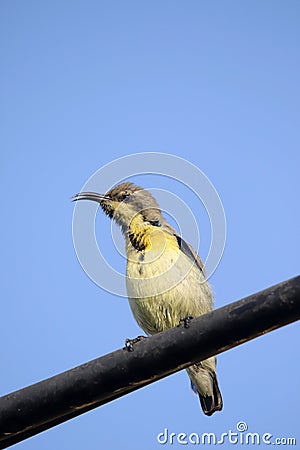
point(43, 405)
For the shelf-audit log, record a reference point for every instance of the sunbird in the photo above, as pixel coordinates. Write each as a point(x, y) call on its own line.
point(165, 277)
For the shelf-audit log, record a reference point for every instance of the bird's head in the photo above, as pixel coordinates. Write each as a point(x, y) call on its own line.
point(126, 202)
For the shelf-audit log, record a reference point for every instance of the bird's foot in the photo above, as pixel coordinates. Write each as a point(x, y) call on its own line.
point(185, 321)
point(129, 343)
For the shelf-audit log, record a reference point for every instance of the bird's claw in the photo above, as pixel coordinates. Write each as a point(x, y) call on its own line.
point(185, 321)
point(129, 343)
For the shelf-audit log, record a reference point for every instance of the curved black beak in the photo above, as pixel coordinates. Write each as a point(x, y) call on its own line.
point(93, 196)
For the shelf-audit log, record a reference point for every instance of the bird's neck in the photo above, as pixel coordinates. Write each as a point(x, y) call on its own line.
point(138, 234)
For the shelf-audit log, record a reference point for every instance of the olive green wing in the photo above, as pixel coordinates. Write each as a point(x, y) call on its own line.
point(186, 248)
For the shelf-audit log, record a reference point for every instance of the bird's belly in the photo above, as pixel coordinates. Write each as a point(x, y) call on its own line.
point(163, 289)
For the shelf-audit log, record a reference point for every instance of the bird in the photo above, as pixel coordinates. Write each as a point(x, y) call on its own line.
point(165, 277)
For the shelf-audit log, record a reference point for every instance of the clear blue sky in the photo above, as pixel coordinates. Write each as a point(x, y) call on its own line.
point(85, 82)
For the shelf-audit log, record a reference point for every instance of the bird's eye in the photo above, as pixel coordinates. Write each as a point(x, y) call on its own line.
point(155, 223)
point(124, 196)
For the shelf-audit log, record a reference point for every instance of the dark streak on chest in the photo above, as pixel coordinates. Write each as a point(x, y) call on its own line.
point(141, 259)
point(136, 241)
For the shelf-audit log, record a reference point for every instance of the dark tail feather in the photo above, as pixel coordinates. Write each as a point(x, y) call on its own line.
point(211, 404)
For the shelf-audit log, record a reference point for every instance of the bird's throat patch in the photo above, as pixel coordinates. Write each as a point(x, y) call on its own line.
point(139, 235)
